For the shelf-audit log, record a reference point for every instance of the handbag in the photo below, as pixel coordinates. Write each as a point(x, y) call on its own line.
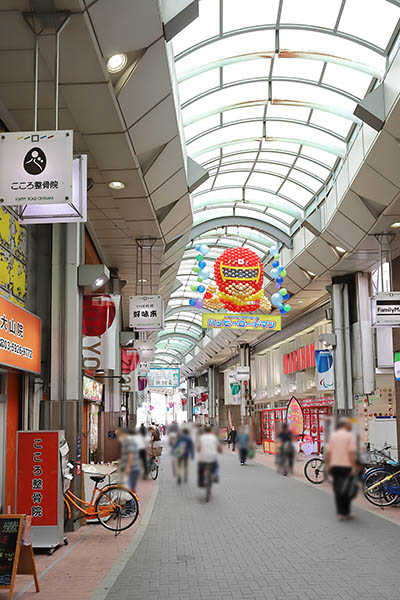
point(251, 452)
point(349, 487)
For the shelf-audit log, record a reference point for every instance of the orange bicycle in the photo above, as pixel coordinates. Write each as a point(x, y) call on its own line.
point(115, 506)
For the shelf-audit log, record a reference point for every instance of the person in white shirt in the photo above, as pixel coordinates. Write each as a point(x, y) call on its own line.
point(208, 448)
point(142, 450)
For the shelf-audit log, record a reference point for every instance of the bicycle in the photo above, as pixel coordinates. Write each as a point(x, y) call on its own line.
point(111, 504)
point(314, 470)
point(377, 488)
point(154, 464)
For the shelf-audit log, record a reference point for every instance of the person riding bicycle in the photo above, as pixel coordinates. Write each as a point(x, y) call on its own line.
point(183, 449)
point(208, 447)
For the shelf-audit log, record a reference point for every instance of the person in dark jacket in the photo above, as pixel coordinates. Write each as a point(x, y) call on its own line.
point(183, 449)
point(232, 438)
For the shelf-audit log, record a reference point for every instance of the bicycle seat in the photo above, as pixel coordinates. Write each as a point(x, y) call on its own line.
point(97, 478)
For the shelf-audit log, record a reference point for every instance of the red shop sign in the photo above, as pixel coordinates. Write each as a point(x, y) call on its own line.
point(300, 359)
point(37, 476)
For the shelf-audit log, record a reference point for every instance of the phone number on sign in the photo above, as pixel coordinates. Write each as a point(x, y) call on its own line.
point(15, 348)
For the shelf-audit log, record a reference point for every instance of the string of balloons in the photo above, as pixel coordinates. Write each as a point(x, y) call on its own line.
point(203, 274)
point(278, 273)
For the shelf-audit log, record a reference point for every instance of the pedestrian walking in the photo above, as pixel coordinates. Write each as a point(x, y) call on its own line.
point(232, 438)
point(341, 464)
point(130, 465)
point(208, 447)
point(183, 450)
point(242, 439)
point(285, 450)
point(140, 441)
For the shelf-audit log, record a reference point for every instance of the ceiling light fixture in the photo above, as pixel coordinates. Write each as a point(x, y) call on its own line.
point(116, 185)
point(99, 282)
point(299, 301)
point(142, 280)
point(116, 62)
point(311, 274)
point(395, 225)
point(340, 250)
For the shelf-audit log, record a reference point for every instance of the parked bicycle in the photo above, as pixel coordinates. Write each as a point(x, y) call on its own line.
point(382, 487)
point(314, 470)
point(115, 506)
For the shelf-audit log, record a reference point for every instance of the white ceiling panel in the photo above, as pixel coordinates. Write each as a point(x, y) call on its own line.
point(322, 251)
point(156, 128)
point(385, 157)
point(353, 207)
point(370, 184)
point(136, 208)
point(94, 107)
point(169, 161)
point(111, 151)
point(345, 230)
point(172, 189)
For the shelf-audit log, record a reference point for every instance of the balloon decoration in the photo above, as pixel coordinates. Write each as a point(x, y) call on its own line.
point(238, 287)
point(203, 274)
point(278, 273)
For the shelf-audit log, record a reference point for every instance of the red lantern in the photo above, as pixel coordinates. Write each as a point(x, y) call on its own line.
point(239, 277)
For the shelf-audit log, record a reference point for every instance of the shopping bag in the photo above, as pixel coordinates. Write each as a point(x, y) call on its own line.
point(349, 487)
point(251, 453)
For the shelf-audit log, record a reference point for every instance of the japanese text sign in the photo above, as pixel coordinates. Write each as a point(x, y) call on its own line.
point(169, 377)
point(20, 337)
point(36, 167)
point(37, 476)
point(245, 322)
point(146, 313)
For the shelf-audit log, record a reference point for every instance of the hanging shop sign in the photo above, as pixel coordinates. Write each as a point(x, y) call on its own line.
point(36, 167)
point(385, 309)
point(397, 365)
point(146, 313)
point(92, 390)
point(245, 322)
point(145, 349)
point(299, 360)
point(73, 211)
point(242, 373)
point(100, 331)
point(325, 370)
point(170, 377)
point(20, 337)
point(129, 363)
point(231, 387)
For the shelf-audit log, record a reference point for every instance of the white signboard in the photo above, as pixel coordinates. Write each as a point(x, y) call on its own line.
point(231, 387)
point(242, 373)
point(169, 377)
point(146, 313)
point(385, 308)
point(36, 168)
point(145, 349)
point(325, 370)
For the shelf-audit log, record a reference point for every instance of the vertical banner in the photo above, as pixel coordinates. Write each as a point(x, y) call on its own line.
point(129, 362)
point(325, 371)
point(100, 331)
point(231, 387)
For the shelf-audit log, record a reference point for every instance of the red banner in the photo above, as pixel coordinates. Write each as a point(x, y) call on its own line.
point(100, 331)
point(37, 476)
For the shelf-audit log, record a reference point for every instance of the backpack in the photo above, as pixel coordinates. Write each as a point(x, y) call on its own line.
point(180, 450)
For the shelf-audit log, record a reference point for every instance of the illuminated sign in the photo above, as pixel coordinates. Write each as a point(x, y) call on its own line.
point(299, 360)
point(245, 322)
point(20, 335)
point(92, 389)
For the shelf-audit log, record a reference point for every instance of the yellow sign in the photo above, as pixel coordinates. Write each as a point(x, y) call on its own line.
point(239, 321)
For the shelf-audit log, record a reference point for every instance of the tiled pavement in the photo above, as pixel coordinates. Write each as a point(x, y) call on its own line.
point(262, 536)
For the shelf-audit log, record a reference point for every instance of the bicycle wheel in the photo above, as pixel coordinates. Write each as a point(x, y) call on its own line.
point(117, 508)
point(314, 470)
point(154, 470)
point(379, 496)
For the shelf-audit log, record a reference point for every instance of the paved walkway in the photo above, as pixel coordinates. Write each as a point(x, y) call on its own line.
point(263, 536)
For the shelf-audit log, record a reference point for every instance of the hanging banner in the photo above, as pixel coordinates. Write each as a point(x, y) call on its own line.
point(146, 313)
point(245, 322)
point(295, 417)
point(169, 377)
point(325, 371)
point(100, 331)
point(129, 363)
point(231, 387)
point(36, 167)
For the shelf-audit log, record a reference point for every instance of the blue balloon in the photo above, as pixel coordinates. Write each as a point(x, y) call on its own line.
point(276, 299)
point(197, 247)
point(201, 289)
point(286, 296)
point(280, 269)
point(274, 273)
point(278, 286)
point(280, 306)
point(204, 249)
point(273, 250)
point(192, 302)
point(275, 264)
point(279, 280)
point(202, 264)
point(282, 311)
point(204, 273)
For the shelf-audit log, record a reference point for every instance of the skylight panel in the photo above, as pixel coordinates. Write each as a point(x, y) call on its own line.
point(235, 165)
point(238, 14)
point(281, 215)
point(321, 155)
point(261, 180)
point(277, 156)
point(229, 179)
point(312, 94)
point(296, 113)
point(297, 67)
point(299, 194)
point(207, 215)
point(306, 133)
point(240, 156)
point(200, 126)
point(237, 114)
point(197, 85)
point(226, 134)
point(202, 28)
point(272, 168)
point(349, 80)
point(311, 12)
point(333, 122)
point(310, 166)
point(249, 69)
point(308, 180)
point(371, 20)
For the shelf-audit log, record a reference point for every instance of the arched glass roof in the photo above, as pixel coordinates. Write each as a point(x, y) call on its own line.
point(267, 92)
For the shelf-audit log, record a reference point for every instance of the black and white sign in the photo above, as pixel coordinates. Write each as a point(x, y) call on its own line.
point(242, 373)
point(36, 168)
point(385, 308)
point(146, 313)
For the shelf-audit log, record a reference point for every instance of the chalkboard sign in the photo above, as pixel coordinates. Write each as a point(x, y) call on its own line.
point(10, 538)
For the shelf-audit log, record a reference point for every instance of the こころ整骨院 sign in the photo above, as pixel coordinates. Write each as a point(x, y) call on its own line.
point(20, 337)
point(36, 167)
point(245, 322)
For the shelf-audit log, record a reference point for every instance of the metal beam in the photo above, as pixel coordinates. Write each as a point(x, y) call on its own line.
point(260, 225)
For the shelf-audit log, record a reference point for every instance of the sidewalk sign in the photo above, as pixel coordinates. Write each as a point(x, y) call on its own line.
point(16, 554)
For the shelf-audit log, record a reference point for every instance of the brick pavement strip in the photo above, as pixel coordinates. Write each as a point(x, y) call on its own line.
point(262, 536)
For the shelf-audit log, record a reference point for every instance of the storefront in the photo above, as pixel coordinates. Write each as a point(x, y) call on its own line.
point(20, 346)
point(93, 397)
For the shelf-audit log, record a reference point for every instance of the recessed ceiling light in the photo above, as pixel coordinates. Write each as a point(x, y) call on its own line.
point(395, 225)
point(142, 280)
point(299, 301)
point(116, 62)
point(311, 274)
point(116, 185)
point(341, 250)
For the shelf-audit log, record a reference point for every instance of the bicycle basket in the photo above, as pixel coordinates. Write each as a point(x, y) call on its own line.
point(154, 451)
